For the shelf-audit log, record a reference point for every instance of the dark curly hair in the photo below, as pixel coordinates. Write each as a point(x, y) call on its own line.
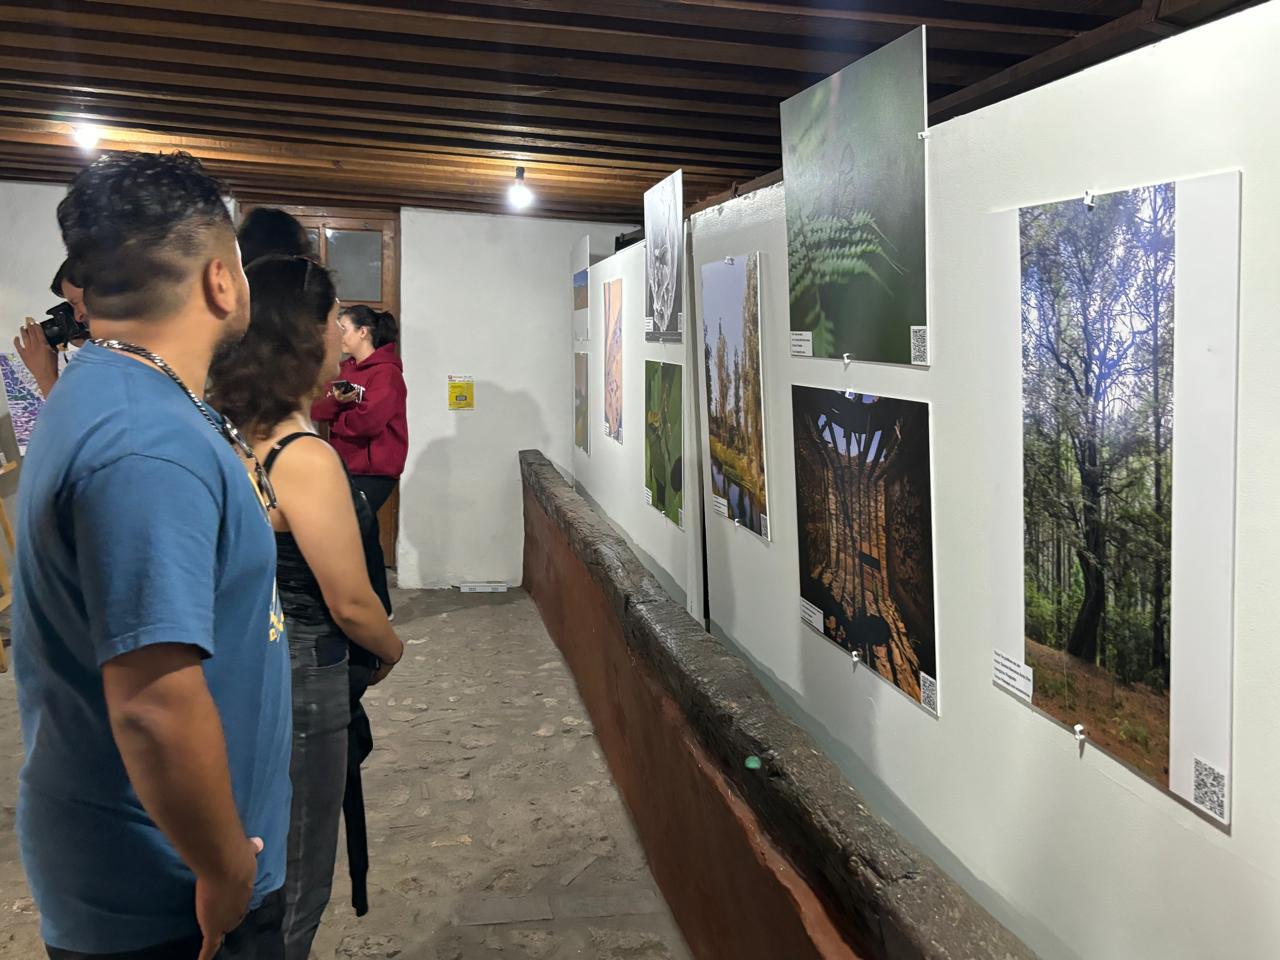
point(382, 325)
point(277, 365)
point(135, 225)
point(267, 231)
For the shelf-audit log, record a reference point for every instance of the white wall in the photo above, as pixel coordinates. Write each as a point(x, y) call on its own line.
point(612, 474)
point(489, 297)
point(32, 252)
point(1076, 854)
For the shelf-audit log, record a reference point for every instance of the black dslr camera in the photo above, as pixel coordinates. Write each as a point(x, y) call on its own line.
point(62, 327)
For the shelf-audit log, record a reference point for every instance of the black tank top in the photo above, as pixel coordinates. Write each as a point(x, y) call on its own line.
point(314, 638)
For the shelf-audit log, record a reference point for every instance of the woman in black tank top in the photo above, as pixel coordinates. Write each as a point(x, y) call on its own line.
point(338, 634)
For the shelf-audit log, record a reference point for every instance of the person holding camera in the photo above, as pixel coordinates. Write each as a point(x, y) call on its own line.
point(46, 345)
point(288, 357)
point(365, 410)
point(148, 640)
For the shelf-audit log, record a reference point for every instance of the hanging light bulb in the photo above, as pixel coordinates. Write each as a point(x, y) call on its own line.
point(87, 135)
point(519, 195)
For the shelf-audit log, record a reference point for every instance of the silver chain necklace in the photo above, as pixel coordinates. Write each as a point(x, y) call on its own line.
point(226, 429)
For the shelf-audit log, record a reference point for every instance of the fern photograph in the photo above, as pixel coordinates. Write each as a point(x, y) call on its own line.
point(664, 438)
point(854, 167)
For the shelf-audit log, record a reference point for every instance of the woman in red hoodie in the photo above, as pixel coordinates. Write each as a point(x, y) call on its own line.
point(367, 423)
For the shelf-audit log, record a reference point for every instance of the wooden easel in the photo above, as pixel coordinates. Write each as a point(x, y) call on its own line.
point(6, 581)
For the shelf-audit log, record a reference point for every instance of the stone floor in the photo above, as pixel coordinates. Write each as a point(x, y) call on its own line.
point(495, 830)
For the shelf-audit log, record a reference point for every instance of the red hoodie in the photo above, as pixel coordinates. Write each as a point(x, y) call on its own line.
point(371, 436)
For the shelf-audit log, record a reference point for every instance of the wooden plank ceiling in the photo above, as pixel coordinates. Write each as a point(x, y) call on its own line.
point(390, 102)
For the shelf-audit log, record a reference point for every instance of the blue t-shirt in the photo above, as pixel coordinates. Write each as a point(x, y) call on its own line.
point(137, 525)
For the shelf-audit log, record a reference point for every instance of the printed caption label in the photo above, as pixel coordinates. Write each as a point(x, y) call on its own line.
point(1011, 674)
point(721, 506)
point(680, 514)
point(802, 343)
point(648, 324)
point(648, 496)
point(810, 614)
point(920, 345)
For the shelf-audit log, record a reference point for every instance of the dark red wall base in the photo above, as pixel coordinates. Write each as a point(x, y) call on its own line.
point(734, 894)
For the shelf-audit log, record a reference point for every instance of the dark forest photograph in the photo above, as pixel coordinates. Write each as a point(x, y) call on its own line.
point(1097, 422)
point(866, 531)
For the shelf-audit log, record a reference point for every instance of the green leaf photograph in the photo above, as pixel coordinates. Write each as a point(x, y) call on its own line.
point(854, 167)
point(664, 438)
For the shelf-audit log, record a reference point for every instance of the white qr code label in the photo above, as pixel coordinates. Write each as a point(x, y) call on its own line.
point(1210, 789)
point(920, 345)
point(810, 614)
point(680, 522)
point(764, 527)
point(928, 693)
point(802, 343)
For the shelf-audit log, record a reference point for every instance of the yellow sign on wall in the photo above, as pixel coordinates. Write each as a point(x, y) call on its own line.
point(462, 393)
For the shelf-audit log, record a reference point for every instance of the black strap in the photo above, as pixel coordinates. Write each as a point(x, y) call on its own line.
point(279, 446)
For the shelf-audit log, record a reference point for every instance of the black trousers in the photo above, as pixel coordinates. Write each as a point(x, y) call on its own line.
point(376, 490)
point(259, 937)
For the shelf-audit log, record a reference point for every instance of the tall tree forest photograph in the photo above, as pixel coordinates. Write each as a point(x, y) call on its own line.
point(664, 438)
point(735, 397)
point(1097, 422)
point(864, 518)
point(854, 166)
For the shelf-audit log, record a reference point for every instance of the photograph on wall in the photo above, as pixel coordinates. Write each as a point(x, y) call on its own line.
point(579, 266)
point(580, 418)
point(1098, 407)
point(854, 166)
point(24, 397)
point(664, 439)
point(664, 259)
point(735, 397)
point(613, 359)
point(865, 526)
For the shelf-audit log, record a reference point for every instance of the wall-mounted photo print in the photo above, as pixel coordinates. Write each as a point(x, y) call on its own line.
point(613, 359)
point(581, 420)
point(1129, 313)
point(854, 166)
point(664, 259)
point(865, 527)
point(664, 439)
point(735, 394)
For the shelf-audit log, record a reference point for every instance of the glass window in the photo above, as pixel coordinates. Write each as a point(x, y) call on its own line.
point(313, 237)
point(356, 257)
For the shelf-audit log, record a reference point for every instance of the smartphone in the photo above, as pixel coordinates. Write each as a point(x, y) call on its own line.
point(346, 386)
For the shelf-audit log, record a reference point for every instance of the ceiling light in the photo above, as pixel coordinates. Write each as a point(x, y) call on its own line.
point(519, 195)
point(87, 135)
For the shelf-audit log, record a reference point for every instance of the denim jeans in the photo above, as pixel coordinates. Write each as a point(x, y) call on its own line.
point(318, 769)
point(259, 937)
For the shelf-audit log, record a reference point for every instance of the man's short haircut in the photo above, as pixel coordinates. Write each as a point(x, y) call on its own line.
point(134, 225)
point(56, 285)
point(271, 232)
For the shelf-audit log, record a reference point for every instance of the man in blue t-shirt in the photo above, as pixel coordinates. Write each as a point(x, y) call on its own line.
point(153, 673)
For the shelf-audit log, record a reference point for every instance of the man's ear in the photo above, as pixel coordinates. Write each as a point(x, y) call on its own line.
point(220, 285)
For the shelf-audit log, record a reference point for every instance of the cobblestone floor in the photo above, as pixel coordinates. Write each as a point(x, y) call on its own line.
point(495, 831)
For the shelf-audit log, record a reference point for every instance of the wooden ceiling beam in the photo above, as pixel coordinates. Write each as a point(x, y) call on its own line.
point(858, 33)
point(325, 127)
point(91, 77)
point(814, 21)
point(68, 51)
point(395, 58)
